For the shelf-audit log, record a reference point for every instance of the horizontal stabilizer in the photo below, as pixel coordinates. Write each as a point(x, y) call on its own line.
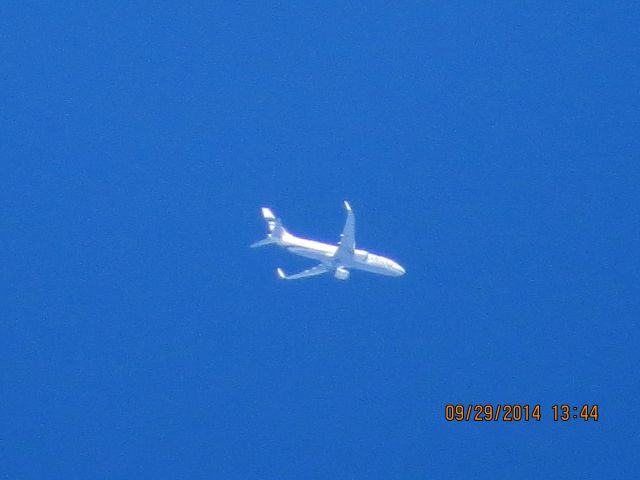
point(260, 243)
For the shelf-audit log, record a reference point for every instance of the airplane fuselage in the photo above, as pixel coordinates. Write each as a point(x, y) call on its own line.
point(325, 253)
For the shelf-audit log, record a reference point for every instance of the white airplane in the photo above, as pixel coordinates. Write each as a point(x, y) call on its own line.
point(336, 259)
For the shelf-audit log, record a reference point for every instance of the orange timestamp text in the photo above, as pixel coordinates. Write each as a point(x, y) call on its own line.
point(517, 412)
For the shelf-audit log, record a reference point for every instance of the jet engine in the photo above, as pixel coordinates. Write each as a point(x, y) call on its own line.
point(342, 273)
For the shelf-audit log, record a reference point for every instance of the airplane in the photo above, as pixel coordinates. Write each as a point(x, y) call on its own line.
point(338, 260)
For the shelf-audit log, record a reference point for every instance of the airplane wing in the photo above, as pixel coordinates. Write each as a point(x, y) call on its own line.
point(347, 243)
point(317, 270)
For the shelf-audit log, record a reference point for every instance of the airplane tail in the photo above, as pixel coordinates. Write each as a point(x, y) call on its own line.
point(274, 225)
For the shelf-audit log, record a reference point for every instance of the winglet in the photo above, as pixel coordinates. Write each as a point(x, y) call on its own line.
point(281, 274)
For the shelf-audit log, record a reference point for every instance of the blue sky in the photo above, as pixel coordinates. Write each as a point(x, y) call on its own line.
point(490, 148)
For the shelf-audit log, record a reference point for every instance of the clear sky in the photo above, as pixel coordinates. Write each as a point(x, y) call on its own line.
point(491, 148)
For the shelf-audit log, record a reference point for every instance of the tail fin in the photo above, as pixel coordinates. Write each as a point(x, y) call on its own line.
point(274, 225)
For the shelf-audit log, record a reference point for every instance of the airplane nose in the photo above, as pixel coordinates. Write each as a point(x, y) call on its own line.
point(399, 269)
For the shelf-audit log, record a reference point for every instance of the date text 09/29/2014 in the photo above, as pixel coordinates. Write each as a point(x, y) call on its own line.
point(518, 412)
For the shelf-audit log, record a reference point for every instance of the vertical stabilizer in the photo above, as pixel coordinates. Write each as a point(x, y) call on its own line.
point(274, 227)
